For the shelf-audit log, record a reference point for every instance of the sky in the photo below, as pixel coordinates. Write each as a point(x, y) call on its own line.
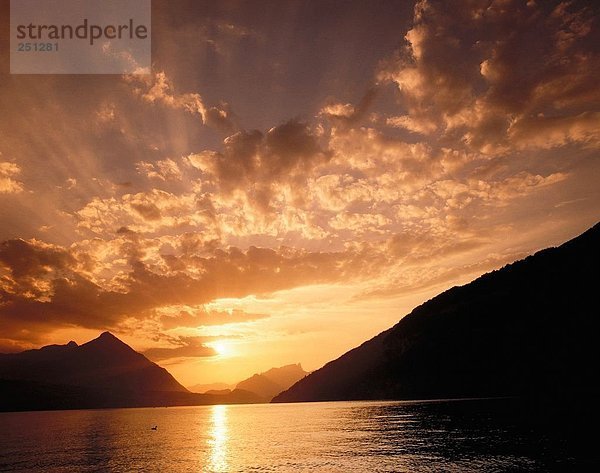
point(293, 177)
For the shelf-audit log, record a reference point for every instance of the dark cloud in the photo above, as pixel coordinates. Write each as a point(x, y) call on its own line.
point(476, 73)
point(147, 210)
point(286, 149)
point(25, 260)
point(222, 119)
point(124, 231)
point(47, 288)
point(256, 162)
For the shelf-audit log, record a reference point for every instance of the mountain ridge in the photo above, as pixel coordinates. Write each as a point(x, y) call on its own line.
point(104, 372)
point(273, 381)
point(102, 363)
point(518, 330)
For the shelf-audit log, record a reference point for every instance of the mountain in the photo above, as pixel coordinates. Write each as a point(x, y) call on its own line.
point(264, 385)
point(203, 388)
point(286, 375)
point(530, 328)
point(274, 381)
point(103, 363)
point(104, 372)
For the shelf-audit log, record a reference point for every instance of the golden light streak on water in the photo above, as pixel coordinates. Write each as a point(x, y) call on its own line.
point(218, 439)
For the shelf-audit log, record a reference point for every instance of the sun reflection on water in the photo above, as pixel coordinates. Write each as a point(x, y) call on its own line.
point(217, 441)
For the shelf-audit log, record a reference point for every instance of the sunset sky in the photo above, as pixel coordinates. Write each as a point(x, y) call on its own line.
point(293, 177)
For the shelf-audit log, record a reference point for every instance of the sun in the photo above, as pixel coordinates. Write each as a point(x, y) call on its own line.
point(222, 348)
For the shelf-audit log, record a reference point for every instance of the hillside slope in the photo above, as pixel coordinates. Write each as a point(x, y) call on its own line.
point(530, 328)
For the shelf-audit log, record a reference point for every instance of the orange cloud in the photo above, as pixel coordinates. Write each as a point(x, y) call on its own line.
point(8, 183)
point(181, 347)
point(158, 89)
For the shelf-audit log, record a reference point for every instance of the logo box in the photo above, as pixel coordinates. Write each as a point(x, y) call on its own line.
point(80, 36)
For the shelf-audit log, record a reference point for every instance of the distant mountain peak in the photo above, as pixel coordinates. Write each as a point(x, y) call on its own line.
point(273, 381)
point(72, 344)
point(107, 336)
point(290, 366)
point(107, 339)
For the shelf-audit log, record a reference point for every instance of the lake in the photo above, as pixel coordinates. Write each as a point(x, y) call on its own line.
point(431, 436)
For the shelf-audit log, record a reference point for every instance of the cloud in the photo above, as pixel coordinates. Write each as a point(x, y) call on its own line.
point(158, 89)
point(178, 316)
point(550, 132)
point(432, 276)
point(482, 74)
point(181, 347)
point(344, 115)
point(145, 211)
point(124, 60)
point(44, 285)
point(108, 284)
point(8, 183)
point(360, 223)
point(455, 194)
point(29, 260)
point(420, 125)
point(161, 170)
point(257, 163)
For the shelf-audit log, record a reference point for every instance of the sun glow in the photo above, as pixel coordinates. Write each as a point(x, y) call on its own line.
point(222, 348)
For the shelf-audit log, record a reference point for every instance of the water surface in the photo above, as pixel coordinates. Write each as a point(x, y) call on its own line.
point(432, 436)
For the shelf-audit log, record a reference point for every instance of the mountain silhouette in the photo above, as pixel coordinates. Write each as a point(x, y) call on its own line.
point(104, 372)
point(528, 329)
point(103, 363)
point(274, 381)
